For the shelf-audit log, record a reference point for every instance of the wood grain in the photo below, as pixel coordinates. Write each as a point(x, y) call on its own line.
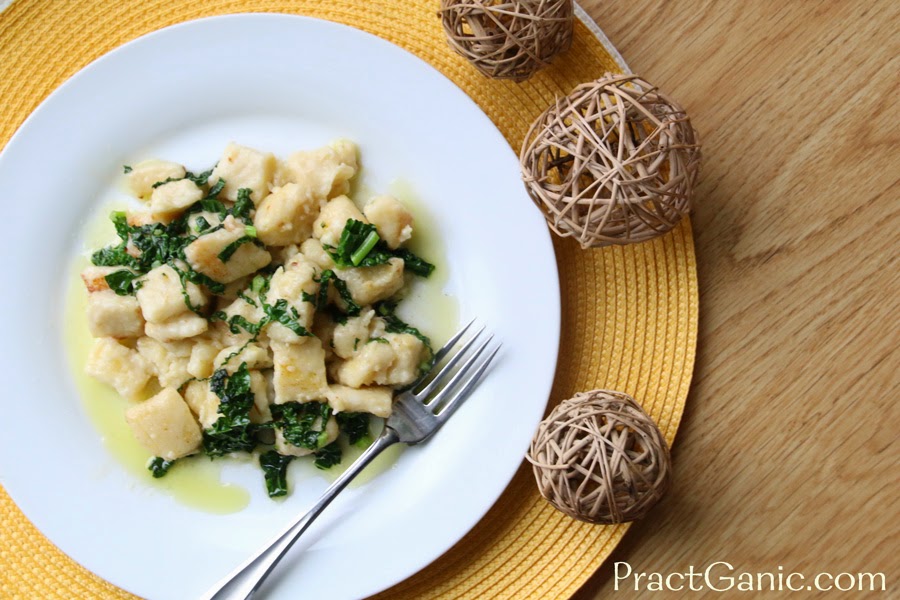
point(787, 454)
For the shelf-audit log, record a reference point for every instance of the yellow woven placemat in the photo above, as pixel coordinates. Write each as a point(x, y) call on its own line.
point(629, 314)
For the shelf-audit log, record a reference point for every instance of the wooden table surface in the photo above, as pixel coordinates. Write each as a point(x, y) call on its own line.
point(787, 454)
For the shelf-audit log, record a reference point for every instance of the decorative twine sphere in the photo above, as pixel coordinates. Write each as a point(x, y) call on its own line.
point(598, 457)
point(508, 39)
point(614, 162)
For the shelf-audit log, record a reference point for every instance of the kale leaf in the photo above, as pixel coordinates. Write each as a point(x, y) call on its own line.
point(233, 430)
point(302, 423)
point(243, 205)
point(158, 244)
point(322, 297)
point(414, 263)
point(328, 456)
point(114, 256)
point(201, 179)
point(356, 426)
point(353, 309)
point(274, 466)
point(282, 312)
point(200, 279)
point(361, 246)
point(159, 466)
point(123, 282)
point(229, 250)
point(236, 322)
point(357, 240)
point(202, 224)
point(329, 276)
point(215, 190)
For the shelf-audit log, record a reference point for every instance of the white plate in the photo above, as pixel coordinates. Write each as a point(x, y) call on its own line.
point(277, 82)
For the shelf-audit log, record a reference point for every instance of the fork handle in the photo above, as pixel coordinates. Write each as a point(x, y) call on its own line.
point(243, 583)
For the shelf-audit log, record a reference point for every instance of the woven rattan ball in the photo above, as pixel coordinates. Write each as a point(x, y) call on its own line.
point(600, 458)
point(614, 162)
point(508, 39)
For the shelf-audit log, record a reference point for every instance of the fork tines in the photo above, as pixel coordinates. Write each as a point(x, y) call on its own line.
point(450, 385)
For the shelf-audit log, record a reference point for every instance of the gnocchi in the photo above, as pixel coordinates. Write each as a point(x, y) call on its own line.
point(250, 308)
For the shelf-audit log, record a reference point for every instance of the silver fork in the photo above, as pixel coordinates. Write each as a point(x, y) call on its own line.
point(417, 414)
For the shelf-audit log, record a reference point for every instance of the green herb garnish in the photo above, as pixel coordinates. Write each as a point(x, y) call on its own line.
point(287, 315)
point(242, 206)
point(414, 263)
point(274, 466)
point(328, 456)
point(229, 250)
point(201, 179)
point(303, 423)
point(232, 431)
point(361, 246)
point(356, 426)
point(357, 239)
point(159, 466)
point(123, 282)
point(353, 309)
point(216, 189)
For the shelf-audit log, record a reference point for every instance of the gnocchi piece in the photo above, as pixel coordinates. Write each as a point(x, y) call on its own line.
point(119, 366)
point(299, 371)
point(199, 222)
point(323, 328)
point(284, 447)
point(369, 364)
point(94, 277)
point(240, 307)
point(409, 353)
point(203, 355)
point(373, 400)
point(349, 337)
point(254, 355)
point(325, 172)
point(202, 402)
point(169, 360)
point(286, 215)
point(259, 385)
point(290, 285)
point(392, 360)
point(182, 327)
point(234, 288)
point(171, 199)
point(161, 298)
point(284, 254)
point(312, 249)
point(145, 173)
point(203, 253)
point(243, 167)
point(368, 285)
point(110, 315)
point(391, 219)
point(139, 218)
point(330, 223)
point(164, 425)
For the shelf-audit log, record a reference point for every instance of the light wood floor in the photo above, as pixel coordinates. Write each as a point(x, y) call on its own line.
point(787, 454)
